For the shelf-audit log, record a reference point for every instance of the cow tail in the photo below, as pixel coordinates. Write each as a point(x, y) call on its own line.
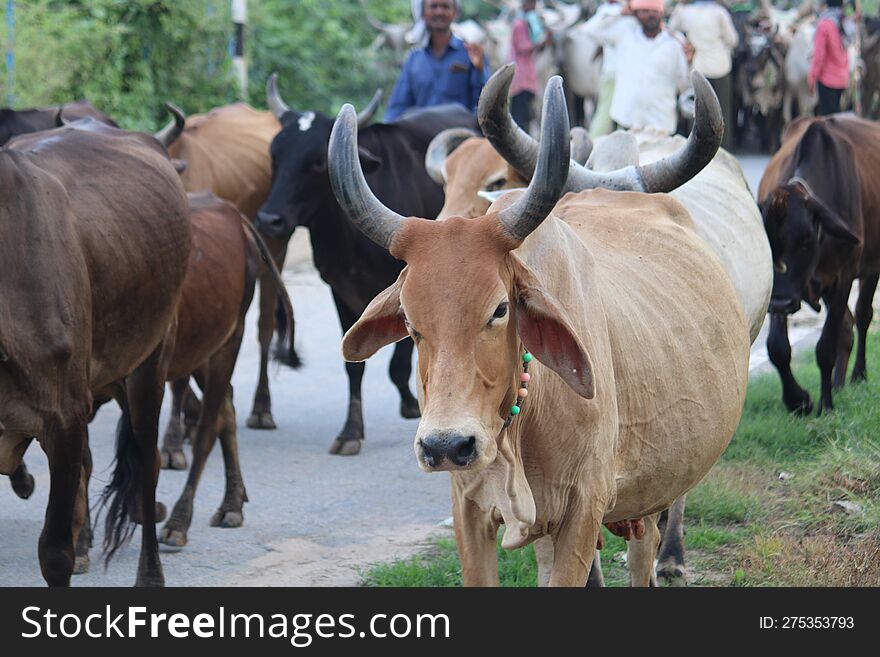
point(285, 325)
point(121, 496)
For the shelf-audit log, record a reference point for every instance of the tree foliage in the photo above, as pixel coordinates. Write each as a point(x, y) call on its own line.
point(129, 56)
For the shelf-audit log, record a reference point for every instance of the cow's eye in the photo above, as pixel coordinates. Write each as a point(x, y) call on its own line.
point(409, 327)
point(496, 184)
point(500, 312)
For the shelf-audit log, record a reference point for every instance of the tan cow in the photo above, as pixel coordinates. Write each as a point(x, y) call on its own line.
point(226, 151)
point(641, 349)
point(718, 199)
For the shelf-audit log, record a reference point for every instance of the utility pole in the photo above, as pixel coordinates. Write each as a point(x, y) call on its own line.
point(239, 19)
point(10, 52)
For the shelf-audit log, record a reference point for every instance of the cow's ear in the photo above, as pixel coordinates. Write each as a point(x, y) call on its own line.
point(774, 209)
point(546, 332)
point(381, 324)
point(831, 221)
point(828, 218)
point(369, 162)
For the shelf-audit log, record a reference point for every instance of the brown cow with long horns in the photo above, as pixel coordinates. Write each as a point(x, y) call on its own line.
point(601, 287)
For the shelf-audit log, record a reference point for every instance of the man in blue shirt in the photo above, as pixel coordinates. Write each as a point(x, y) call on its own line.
point(447, 70)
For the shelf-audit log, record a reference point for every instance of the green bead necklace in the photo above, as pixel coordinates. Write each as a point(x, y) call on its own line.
point(523, 391)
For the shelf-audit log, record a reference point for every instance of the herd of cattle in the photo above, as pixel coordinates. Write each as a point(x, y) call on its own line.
point(770, 63)
point(636, 271)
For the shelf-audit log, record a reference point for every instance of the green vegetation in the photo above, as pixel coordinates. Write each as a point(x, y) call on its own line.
point(129, 56)
point(746, 526)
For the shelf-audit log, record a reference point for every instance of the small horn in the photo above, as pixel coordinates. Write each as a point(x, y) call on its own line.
point(440, 148)
point(551, 172)
point(59, 119)
point(366, 115)
point(273, 98)
point(350, 187)
point(675, 170)
point(581, 145)
point(171, 132)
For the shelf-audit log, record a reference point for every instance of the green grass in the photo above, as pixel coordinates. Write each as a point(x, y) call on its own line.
point(745, 526)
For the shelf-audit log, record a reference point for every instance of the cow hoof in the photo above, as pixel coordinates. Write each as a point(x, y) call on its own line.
point(261, 420)
point(801, 408)
point(24, 489)
point(173, 460)
point(227, 519)
point(410, 411)
point(81, 564)
point(342, 447)
point(172, 538)
point(672, 574)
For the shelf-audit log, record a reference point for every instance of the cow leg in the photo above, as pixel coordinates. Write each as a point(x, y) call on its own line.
point(64, 512)
point(544, 557)
point(400, 370)
point(351, 438)
point(575, 549)
point(144, 390)
point(795, 398)
point(670, 561)
point(640, 554)
point(22, 482)
point(475, 533)
point(864, 314)
point(844, 349)
point(596, 579)
point(192, 408)
point(231, 512)
point(261, 414)
point(83, 542)
point(171, 453)
point(826, 349)
point(213, 384)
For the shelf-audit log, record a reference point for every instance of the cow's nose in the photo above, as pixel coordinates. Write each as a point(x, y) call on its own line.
point(269, 223)
point(784, 306)
point(457, 449)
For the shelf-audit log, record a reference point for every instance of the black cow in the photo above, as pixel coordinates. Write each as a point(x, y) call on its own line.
point(821, 210)
point(19, 122)
point(393, 157)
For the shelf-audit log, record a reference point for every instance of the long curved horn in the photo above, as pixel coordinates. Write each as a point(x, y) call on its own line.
point(366, 114)
point(273, 98)
point(551, 172)
point(171, 132)
point(493, 112)
point(350, 187)
point(674, 170)
point(441, 147)
point(581, 145)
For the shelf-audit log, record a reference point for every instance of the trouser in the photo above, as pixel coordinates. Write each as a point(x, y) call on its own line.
point(601, 123)
point(829, 99)
point(722, 87)
point(521, 109)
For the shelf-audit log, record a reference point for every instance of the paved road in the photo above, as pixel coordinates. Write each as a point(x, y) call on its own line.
point(312, 518)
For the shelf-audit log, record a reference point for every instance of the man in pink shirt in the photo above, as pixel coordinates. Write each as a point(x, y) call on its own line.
point(528, 37)
point(830, 67)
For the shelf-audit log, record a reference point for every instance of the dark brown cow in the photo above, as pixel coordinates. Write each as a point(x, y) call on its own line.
point(96, 239)
point(821, 209)
point(226, 151)
point(227, 256)
point(20, 122)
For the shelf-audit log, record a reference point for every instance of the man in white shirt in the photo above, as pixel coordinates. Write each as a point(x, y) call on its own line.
point(608, 18)
point(652, 69)
point(709, 27)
